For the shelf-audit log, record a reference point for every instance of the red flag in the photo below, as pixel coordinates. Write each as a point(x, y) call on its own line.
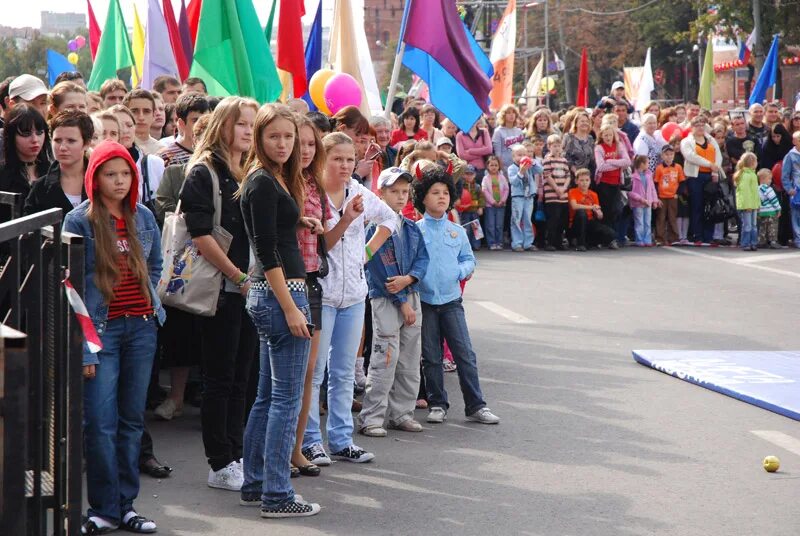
point(193, 10)
point(94, 31)
point(175, 40)
point(582, 97)
point(291, 56)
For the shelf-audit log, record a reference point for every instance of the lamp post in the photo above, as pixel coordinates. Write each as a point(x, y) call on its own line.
point(546, 41)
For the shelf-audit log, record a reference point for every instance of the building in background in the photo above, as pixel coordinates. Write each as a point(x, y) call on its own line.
point(382, 26)
point(56, 23)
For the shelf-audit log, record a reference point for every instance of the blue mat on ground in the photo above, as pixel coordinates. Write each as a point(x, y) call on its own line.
point(769, 380)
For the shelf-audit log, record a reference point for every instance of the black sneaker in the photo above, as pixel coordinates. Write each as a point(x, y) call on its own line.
point(296, 508)
point(353, 454)
point(316, 454)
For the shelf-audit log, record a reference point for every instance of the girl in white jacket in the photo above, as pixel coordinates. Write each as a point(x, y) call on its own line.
point(344, 293)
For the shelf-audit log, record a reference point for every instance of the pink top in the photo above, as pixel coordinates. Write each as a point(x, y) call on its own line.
point(473, 151)
point(643, 189)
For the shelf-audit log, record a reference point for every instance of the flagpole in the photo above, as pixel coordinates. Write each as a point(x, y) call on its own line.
point(398, 62)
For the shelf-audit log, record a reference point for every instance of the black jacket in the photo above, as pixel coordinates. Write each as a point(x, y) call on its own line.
point(46, 193)
point(14, 179)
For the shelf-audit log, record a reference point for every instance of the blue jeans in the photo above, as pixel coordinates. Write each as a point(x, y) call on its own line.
point(748, 234)
point(113, 415)
point(795, 215)
point(271, 426)
point(699, 229)
point(467, 217)
point(521, 222)
point(338, 344)
point(448, 321)
point(642, 217)
point(494, 225)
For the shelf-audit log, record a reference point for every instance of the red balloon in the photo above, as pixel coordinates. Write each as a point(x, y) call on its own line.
point(685, 132)
point(669, 129)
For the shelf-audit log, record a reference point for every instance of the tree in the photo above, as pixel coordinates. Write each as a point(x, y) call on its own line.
point(32, 58)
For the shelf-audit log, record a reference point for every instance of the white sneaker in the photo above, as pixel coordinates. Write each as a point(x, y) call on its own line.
point(436, 415)
point(229, 477)
point(484, 416)
point(167, 410)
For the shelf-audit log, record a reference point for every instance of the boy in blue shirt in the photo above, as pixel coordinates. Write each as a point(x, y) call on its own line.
point(451, 261)
point(393, 273)
point(522, 175)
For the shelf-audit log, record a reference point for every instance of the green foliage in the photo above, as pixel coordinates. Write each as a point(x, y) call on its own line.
point(33, 58)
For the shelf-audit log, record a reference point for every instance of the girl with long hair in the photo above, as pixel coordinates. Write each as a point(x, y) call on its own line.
point(272, 200)
point(123, 266)
point(62, 185)
point(229, 337)
point(344, 292)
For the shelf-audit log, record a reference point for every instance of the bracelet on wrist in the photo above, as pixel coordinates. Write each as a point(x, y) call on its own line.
point(369, 252)
point(242, 280)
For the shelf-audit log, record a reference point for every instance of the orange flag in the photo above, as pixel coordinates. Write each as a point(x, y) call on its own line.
point(502, 57)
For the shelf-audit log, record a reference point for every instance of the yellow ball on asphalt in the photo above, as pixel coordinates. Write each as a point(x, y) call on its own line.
point(771, 464)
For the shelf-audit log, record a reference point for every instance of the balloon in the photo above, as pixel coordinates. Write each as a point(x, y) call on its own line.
point(316, 88)
point(547, 83)
point(669, 130)
point(685, 132)
point(340, 91)
point(73, 58)
point(81, 40)
point(72, 45)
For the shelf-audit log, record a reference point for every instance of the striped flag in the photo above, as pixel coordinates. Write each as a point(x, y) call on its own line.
point(89, 333)
point(746, 48)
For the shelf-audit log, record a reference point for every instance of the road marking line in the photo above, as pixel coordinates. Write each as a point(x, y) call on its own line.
point(780, 439)
point(733, 261)
point(505, 313)
point(767, 258)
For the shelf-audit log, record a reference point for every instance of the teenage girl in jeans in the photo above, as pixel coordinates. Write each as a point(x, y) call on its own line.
point(272, 201)
point(123, 265)
point(344, 293)
point(229, 337)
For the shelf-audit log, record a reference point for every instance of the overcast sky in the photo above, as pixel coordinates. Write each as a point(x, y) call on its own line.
point(29, 13)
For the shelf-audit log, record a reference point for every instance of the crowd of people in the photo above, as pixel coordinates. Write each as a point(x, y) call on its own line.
point(341, 246)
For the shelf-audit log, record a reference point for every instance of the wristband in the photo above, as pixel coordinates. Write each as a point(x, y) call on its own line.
point(243, 279)
point(369, 252)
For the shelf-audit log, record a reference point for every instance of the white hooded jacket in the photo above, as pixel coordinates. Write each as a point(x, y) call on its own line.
point(345, 284)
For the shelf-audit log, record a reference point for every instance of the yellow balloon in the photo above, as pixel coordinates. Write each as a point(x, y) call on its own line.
point(73, 58)
point(548, 83)
point(316, 88)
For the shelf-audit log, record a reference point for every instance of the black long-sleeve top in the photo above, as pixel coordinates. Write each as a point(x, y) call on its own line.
point(270, 217)
point(197, 204)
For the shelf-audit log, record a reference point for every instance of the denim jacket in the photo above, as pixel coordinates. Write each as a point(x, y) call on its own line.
point(451, 260)
point(518, 181)
point(408, 256)
point(790, 173)
point(77, 222)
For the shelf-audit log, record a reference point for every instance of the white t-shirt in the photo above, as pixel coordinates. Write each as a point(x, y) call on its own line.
point(74, 200)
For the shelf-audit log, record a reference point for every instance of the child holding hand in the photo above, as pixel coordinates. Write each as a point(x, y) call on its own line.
point(642, 200)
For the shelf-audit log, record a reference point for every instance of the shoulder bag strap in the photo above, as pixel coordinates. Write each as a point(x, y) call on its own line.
point(322, 247)
point(147, 195)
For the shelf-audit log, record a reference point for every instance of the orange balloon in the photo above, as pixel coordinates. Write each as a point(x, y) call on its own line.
point(316, 89)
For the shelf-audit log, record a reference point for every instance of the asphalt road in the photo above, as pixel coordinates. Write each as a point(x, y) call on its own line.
point(590, 442)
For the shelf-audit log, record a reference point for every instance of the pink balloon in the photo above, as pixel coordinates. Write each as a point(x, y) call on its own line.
point(81, 40)
point(72, 45)
point(669, 130)
point(340, 91)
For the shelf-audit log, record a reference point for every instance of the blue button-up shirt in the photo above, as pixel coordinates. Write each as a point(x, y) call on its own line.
point(451, 260)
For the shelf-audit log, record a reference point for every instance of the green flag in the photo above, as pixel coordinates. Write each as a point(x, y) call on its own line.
point(268, 29)
point(114, 51)
point(707, 78)
point(232, 54)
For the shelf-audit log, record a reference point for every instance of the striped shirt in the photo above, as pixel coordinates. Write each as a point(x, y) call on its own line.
point(128, 297)
point(175, 153)
point(770, 205)
point(556, 168)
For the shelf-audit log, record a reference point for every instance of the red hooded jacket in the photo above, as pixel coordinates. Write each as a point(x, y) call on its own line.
point(101, 154)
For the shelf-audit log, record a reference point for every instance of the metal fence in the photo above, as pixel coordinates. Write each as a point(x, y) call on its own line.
point(41, 388)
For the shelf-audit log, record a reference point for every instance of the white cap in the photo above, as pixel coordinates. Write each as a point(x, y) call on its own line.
point(617, 85)
point(390, 175)
point(26, 87)
point(444, 140)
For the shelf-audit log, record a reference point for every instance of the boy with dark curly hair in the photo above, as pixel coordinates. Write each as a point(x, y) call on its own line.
point(451, 261)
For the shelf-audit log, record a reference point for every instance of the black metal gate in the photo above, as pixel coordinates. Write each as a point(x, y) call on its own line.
point(41, 387)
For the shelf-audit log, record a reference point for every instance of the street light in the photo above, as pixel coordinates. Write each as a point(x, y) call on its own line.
point(546, 39)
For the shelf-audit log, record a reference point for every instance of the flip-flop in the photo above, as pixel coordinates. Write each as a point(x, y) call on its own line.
point(309, 470)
